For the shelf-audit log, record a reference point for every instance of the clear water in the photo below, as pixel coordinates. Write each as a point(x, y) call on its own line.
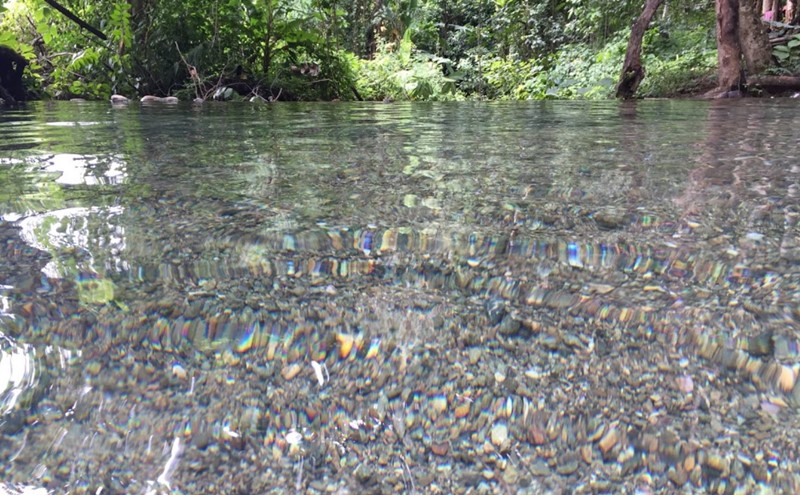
point(347, 298)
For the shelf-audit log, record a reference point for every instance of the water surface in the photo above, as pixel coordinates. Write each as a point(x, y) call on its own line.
point(368, 298)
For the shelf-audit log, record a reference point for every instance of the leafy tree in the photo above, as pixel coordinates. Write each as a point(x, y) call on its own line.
point(327, 49)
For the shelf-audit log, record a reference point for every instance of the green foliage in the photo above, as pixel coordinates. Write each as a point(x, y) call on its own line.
point(120, 35)
point(596, 22)
point(525, 29)
point(401, 49)
point(788, 55)
point(336, 80)
point(395, 17)
point(11, 39)
point(255, 43)
point(577, 71)
point(677, 63)
point(511, 49)
point(401, 72)
point(15, 35)
point(469, 74)
point(66, 60)
point(511, 79)
point(674, 63)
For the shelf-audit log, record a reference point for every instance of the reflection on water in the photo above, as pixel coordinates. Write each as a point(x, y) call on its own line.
point(17, 373)
point(75, 169)
point(69, 230)
point(472, 297)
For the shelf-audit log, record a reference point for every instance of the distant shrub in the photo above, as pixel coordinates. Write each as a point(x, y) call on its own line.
point(678, 62)
point(579, 72)
point(515, 79)
point(399, 71)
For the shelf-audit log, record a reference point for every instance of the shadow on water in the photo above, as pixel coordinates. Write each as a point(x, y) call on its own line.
point(526, 297)
point(17, 130)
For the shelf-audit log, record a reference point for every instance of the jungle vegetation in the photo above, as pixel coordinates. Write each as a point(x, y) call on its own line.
point(396, 49)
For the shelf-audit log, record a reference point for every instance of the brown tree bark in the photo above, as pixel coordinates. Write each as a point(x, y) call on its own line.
point(632, 69)
point(753, 38)
point(775, 84)
point(789, 11)
point(729, 51)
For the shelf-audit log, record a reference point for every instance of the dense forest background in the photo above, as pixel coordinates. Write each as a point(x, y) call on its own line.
point(372, 49)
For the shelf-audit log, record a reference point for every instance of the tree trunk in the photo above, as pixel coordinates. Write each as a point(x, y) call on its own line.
point(632, 70)
point(788, 12)
point(729, 51)
point(753, 38)
point(266, 63)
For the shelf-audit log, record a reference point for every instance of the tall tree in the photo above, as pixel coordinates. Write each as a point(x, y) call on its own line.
point(730, 76)
point(753, 38)
point(632, 69)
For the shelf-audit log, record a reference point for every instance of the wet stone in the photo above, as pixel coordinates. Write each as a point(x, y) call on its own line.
point(610, 218)
point(13, 422)
point(499, 434)
point(568, 464)
point(511, 475)
point(678, 476)
point(496, 311)
point(509, 325)
point(540, 468)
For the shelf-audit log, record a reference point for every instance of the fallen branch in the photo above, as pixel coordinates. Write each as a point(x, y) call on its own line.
point(781, 39)
point(775, 83)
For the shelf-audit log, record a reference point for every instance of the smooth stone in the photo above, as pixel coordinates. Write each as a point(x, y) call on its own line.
point(539, 468)
point(567, 464)
point(610, 218)
point(499, 434)
point(158, 99)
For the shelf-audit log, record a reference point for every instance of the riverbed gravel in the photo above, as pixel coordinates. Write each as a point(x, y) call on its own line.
point(367, 359)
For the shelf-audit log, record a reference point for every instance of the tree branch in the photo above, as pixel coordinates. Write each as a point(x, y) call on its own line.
point(77, 20)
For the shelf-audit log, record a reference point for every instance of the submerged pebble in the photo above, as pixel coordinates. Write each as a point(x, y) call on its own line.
point(499, 434)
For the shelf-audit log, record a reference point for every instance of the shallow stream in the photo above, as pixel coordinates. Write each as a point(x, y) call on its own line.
point(551, 297)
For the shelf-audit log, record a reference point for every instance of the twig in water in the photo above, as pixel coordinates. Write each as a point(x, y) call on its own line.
point(172, 463)
point(21, 447)
point(298, 482)
point(410, 476)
